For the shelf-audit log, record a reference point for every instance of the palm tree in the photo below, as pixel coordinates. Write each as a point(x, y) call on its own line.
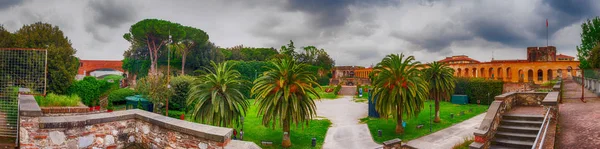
point(399, 88)
point(216, 97)
point(441, 84)
point(285, 95)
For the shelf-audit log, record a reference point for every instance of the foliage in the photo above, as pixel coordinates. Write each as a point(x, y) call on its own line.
point(594, 57)
point(286, 95)
point(399, 87)
point(154, 88)
point(336, 90)
point(90, 89)
point(441, 84)
point(174, 113)
point(113, 77)
point(135, 66)
point(424, 118)
point(590, 37)
point(324, 80)
point(465, 144)
point(154, 33)
point(53, 100)
point(324, 94)
point(479, 89)
point(289, 50)
point(215, 98)
point(62, 63)
point(192, 38)
point(118, 96)
point(180, 86)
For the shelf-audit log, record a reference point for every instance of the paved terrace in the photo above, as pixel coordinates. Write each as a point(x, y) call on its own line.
point(579, 123)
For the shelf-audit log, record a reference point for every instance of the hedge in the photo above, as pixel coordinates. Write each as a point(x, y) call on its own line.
point(479, 89)
point(90, 89)
point(337, 89)
point(173, 113)
point(117, 97)
point(181, 87)
point(53, 100)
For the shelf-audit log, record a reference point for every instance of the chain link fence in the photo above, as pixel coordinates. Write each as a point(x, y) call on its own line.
point(21, 70)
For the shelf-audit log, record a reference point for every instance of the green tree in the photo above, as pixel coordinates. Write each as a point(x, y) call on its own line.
point(216, 99)
point(193, 37)
point(399, 88)
point(594, 58)
point(155, 89)
point(62, 64)
point(154, 33)
point(441, 84)
point(590, 36)
point(6, 38)
point(286, 95)
point(289, 50)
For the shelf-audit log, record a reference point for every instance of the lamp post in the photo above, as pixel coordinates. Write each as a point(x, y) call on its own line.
point(168, 70)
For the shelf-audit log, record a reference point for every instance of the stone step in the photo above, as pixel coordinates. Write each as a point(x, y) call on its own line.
point(528, 123)
point(523, 117)
point(519, 136)
point(512, 143)
point(518, 129)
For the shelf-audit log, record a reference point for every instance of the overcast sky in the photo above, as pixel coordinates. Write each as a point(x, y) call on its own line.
point(353, 32)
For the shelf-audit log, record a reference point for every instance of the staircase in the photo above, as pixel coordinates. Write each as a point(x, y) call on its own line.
point(517, 131)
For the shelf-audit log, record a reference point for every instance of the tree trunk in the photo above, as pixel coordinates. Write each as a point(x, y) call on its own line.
point(437, 111)
point(286, 134)
point(183, 62)
point(399, 128)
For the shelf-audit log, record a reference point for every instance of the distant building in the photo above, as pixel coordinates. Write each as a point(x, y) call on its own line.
point(350, 75)
point(562, 57)
point(542, 64)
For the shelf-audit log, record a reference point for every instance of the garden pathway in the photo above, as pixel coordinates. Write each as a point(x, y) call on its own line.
point(448, 137)
point(579, 122)
point(346, 131)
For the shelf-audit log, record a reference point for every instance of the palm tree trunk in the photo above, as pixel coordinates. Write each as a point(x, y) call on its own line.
point(437, 111)
point(286, 134)
point(399, 128)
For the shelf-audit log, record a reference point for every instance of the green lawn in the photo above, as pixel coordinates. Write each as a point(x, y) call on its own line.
point(411, 132)
point(301, 137)
point(325, 95)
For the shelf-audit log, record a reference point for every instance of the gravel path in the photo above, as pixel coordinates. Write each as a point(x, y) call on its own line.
point(579, 123)
point(346, 132)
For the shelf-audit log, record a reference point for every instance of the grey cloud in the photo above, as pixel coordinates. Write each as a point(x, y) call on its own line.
point(330, 13)
point(435, 37)
point(9, 3)
point(112, 13)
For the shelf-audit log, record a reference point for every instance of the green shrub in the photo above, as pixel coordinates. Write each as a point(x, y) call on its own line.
point(337, 89)
point(113, 77)
point(323, 81)
point(53, 100)
point(174, 113)
point(117, 97)
point(180, 86)
point(90, 89)
point(479, 89)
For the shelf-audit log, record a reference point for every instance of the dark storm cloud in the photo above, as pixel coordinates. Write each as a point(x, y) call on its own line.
point(9, 3)
point(435, 37)
point(108, 14)
point(330, 13)
point(112, 13)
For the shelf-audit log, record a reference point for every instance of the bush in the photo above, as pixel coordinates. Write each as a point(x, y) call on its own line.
point(53, 100)
point(174, 113)
point(90, 89)
point(117, 97)
point(113, 77)
point(337, 89)
point(322, 81)
point(479, 89)
point(180, 86)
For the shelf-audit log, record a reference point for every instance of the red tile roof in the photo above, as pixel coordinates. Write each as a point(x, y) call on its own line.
point(563, 56)
point(458, 58)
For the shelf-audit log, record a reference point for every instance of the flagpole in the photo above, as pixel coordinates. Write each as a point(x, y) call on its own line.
point(547, 35)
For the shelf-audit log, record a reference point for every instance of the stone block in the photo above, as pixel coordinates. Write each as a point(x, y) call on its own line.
point(57, 137)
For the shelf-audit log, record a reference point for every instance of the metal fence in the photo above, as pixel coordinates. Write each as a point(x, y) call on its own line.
point(21, 70)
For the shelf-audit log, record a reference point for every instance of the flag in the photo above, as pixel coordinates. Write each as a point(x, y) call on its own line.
point(546, 22)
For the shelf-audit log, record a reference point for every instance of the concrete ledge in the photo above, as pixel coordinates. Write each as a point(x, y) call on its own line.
point(551, 99)
point(213, 133)
point(28, 106)
point(476, 145)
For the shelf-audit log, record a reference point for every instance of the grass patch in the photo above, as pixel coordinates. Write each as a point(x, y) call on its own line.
point(301, 137)
point(411, 132)
point(325, 95)
point(464, 145)
point(53, 100)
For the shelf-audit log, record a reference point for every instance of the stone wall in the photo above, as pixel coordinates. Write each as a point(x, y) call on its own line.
point(504, 103)
point(116, 130)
